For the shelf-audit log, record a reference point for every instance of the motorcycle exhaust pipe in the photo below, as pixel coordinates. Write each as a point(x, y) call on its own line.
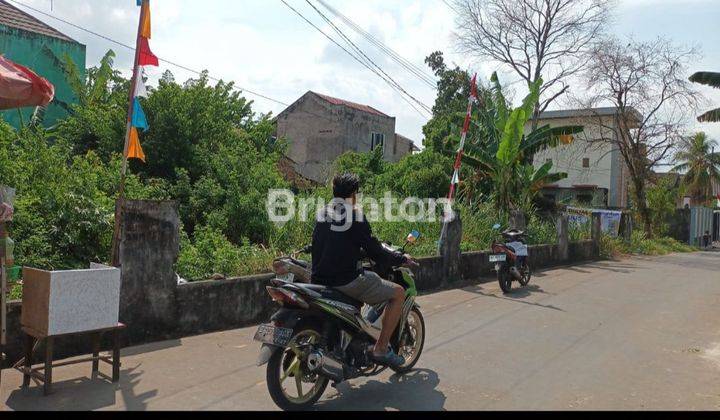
point(515, 273)
point(322, 363)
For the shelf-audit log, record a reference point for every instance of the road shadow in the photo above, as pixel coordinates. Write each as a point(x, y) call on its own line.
point(150, 347)
point(83, 394)
point(414, 391)
point(516, 295)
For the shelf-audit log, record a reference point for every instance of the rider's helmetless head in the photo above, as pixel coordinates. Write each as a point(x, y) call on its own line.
point(346, 187)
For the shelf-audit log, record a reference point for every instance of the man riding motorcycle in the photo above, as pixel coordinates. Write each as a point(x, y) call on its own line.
point(339, 237)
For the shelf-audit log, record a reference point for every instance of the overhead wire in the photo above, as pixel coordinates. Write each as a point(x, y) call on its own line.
point(235, 86)
point(370, 61)
point(358, 59)
point(412, 68)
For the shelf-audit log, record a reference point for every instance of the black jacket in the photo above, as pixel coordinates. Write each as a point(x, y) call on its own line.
point(336, 251)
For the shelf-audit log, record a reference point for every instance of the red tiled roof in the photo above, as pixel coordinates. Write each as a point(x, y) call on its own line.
point(353, 105)
point(13, 17)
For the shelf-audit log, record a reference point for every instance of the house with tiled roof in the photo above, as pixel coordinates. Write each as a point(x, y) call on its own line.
point(319, 128)
point(33, 43)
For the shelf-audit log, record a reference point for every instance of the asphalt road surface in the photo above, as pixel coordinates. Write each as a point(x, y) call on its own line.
point(642, 333)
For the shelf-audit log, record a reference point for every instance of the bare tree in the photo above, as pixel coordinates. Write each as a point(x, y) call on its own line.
point(647, 84)
point(535, 38)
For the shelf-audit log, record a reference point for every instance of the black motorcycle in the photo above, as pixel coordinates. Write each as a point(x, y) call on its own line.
point(321, 335)
point(510, 258)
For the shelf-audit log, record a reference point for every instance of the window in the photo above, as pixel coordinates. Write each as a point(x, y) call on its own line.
point(586, 162)
point(377, 140)
point(585, 199)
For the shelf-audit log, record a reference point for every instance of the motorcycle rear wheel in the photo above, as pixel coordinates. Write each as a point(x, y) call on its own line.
point(505, 279)
point(289, 366)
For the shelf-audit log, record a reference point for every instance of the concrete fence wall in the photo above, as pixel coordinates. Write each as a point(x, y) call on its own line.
point(156, 308)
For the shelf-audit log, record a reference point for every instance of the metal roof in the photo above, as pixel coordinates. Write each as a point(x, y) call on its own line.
point(353, 105)
point(15, 18)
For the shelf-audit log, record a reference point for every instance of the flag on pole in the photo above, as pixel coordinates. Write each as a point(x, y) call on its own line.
point(145, 26)
point(146, 56)
point(135, 150)
point(140, 88)
point(138, 118)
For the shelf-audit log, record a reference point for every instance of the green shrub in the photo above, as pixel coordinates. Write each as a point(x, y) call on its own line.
point(639, 245)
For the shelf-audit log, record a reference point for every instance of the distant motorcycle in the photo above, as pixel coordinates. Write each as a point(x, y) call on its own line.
point(510, 258)
point(321, 335)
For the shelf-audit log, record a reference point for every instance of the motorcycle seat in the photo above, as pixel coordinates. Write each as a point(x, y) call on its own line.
point(332, 294)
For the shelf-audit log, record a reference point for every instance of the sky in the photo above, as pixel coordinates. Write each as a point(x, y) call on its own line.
point(264, 47)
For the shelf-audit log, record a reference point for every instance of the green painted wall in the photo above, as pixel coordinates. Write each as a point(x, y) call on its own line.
point(40, 53)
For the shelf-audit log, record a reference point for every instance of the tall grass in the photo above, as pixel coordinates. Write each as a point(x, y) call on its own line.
point(639, 244)
point(212, 253)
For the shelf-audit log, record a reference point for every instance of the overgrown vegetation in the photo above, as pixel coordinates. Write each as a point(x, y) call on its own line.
point(639, 244)
point(212, 153)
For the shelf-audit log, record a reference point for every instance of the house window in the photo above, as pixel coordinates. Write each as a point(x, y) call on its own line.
point(377, 140)
point(585, 199)
point(586, 162)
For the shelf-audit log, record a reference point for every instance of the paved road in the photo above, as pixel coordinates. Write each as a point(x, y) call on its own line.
point(643, 333)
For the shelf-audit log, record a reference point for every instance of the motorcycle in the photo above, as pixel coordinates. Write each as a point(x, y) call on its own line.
point(510, 257)
point(321, 335)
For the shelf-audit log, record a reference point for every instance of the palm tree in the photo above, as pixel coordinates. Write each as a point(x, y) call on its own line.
point(710, 79)
point(701, 165)
point(502, 152)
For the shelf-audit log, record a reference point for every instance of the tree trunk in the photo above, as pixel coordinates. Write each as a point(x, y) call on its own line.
point(642, 207)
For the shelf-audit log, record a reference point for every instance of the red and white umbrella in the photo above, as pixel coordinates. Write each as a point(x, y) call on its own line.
point(21, 87)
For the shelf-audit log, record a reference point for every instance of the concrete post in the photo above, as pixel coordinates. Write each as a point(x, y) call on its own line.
point(149, 245)
point(517, 220)
point(450, 249)
point(596, 232)
point(627, 233)
point(563, 237)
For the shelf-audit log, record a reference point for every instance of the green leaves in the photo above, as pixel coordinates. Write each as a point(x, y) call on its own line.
point(706, 78)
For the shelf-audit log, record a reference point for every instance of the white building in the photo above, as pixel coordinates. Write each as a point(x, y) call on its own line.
point(597, 174)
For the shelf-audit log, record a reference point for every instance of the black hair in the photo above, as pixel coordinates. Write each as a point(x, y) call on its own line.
point(345, 185)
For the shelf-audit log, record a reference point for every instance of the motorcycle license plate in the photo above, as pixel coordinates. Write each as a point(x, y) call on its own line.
point(498, 258)
point(270, 334)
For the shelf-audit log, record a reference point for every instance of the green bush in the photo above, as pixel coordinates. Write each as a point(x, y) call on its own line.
point(639, 245)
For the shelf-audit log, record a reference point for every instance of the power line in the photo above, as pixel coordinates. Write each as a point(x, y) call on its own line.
point(369, 60)
point(412, 68)
point(180, 66)
point(343, 48)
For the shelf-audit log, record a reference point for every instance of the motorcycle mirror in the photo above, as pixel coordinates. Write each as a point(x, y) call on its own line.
point(413, 237)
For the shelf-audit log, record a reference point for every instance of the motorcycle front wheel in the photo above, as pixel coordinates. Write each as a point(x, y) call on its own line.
point(292, 387)
point(526, 275)
point(504, 279)
point(412, 342)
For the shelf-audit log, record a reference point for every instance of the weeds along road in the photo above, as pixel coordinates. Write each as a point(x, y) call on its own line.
point(641, 333)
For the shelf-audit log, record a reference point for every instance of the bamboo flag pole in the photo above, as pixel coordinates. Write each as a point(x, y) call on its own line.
point(119, 204)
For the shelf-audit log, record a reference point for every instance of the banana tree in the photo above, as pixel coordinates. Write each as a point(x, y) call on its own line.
point(503, 153)
point(709, 79)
